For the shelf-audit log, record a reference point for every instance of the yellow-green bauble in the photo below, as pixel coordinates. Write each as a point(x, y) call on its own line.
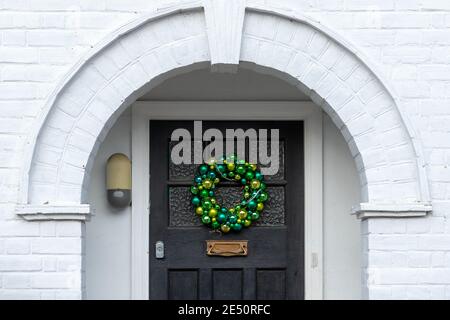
point(255, 184)
point(212, 213)
point(259, 206)
point(207, 184)
point(242, 214)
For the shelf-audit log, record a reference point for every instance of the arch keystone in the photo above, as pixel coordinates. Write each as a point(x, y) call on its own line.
point(224, 43)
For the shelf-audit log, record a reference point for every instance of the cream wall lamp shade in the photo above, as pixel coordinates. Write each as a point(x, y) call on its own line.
point(118, 180)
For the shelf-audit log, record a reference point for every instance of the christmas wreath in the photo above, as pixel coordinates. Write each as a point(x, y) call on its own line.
point(213, 214)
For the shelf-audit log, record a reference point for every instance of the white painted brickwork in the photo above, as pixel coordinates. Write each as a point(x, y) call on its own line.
point(408, 41)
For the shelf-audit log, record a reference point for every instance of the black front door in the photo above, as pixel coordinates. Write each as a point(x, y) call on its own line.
point(273, 268)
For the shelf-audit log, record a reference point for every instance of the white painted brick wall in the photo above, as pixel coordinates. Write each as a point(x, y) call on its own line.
point(409, 40)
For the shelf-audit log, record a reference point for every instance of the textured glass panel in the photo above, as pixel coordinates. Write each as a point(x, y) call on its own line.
point(273, 214)
point(182, 212)
point(280, 174)
point(229, 196)
point(180, 171)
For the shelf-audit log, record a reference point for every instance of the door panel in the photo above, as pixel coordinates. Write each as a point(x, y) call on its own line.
point(273, 268)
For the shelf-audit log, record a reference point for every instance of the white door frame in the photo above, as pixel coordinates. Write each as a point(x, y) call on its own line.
point(144, 111)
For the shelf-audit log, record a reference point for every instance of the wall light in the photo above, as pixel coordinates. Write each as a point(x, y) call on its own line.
point(118, 180)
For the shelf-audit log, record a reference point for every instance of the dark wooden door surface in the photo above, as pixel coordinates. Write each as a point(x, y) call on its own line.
point(273, 268)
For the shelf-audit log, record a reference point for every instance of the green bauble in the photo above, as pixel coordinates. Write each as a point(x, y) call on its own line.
point(196, 201)
point(233, 219)
point(231, 174)
point(254, 216)
point(204, 193)
point(249, 175)
point(263, 197)
point(207, 204)
point(263, 186)
point(258, 176)
point(240, 169)
point(206, 219)
point(194, 190)
point(221, 168)
point(237, 227)
point(203, 169)
point(243, 181)
point(215, 225)
point(211, 193)
point(222, 217)
point(223, 210)
point(252, 205)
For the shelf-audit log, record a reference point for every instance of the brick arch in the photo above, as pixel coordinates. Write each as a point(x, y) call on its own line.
point(145, 52)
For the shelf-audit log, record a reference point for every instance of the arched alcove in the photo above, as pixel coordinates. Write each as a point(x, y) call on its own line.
point(146, 51)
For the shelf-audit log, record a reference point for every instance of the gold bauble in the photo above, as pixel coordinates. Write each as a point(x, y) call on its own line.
point(259, 206)
point(242, 214)
point(255, 184)
point(225, 228)
point(212, 213)
point(199, 211)
point(207, 184)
